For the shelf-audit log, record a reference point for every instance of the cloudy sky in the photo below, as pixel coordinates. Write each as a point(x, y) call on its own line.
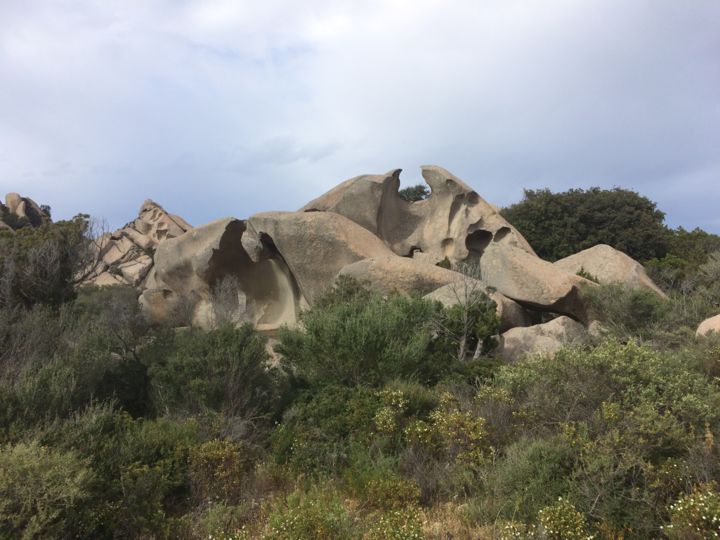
point(230, 107)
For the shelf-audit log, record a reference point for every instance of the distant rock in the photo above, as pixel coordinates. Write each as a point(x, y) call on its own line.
point(18, 212)
point(711, 325)
point(126, 256)
point(541, 339)
point(609, 265)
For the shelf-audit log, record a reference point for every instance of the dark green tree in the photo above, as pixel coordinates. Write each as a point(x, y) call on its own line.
point(419, 192)
point(560, 224)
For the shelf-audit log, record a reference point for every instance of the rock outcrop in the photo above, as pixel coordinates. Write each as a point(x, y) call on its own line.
point(708, 326)
point(456, 224)
point(126, 256)
point(541, 339)
point(265, 270)
point(18, 212)
point(609, 265)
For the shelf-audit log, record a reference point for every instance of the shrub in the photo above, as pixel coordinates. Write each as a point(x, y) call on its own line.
point(216, 470)
point(398, 524)
point(42, 490)
point(561, 224)
point(315, 515)
point(530, 475)
point(226, 370)
point(365, 339)
point(625, 311)
point(563, 522)
point(696, 515)
point(415, 193)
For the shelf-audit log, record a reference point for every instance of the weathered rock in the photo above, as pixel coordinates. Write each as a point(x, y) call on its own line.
point(191, 272)
point(23, 211)
point(454, 222)
point(708, 326)
point(609, 265)
point(457, 224)
point(399, 274)
point(533, 282)
point(127, 254)
point(511, 313)
point(314, 245)
point(541, 339)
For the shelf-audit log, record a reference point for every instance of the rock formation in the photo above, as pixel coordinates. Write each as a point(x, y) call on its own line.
point(268, 268)
point(127, 254)
point(18, 212)
point(609, 265)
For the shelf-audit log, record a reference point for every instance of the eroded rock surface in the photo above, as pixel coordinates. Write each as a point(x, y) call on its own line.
point(454, 222)
point(206, 274)
point(127, 254)
point(609, 265)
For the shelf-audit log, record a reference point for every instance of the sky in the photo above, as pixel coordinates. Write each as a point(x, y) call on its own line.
point(218, 108)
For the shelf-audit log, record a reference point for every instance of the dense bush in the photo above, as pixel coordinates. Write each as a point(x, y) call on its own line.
point(560, 224)
point(366, 340)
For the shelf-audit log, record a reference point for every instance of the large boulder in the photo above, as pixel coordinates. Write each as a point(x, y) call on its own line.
point(126, 255)
point(609, 265)
point(454, 222)
point(533, 282)
point(208, 268)
point(315, 246)
point(708, 326)
point(541, 339)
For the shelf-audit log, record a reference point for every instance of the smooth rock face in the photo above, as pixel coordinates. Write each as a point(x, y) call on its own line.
point(533, 282)
point(127, 254)
point(208, 268)
point(315, 246)
point(709, 326)
point(609, 265)
point(511, 313)
point(541, 339)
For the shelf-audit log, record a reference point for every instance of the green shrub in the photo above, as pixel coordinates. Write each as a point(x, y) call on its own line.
point(217, 470)
point(365, 339)
point(696, 515)
point(226, 370)
point(563, 522)
point(626, 311)
point(320, 429)
point(530, 475)
point(315, 515)
point(398, 524)
point(42, 490)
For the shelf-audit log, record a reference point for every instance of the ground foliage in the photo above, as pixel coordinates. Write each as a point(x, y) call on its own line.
point(369, 426)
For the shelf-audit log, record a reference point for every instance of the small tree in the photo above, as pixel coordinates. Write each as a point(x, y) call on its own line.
point(472, 321)
point(419, 192)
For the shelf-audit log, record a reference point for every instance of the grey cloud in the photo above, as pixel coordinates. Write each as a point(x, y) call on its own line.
point(219, 107)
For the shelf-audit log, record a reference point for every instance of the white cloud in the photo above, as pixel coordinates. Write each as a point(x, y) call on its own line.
point(230, 107)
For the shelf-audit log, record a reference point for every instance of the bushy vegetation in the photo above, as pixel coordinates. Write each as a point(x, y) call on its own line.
point(383, 417)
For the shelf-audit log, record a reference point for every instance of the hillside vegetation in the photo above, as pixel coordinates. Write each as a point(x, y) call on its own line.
point(364, 422)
